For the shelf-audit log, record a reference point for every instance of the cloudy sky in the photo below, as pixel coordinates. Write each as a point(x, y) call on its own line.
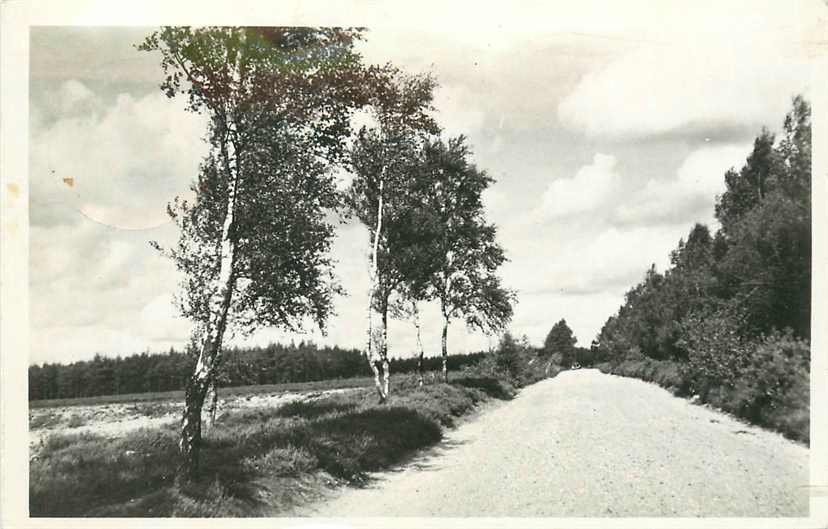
point(607, 145)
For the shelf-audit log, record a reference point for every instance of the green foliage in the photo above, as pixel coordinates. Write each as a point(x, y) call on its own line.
point(562, 341)
point(774, 388)
point(663, 372)
point(716, 351)
point(767, 266)
point(157, 376)
point(494, 387)
point(515, 361)
point(279, 102)
point(508, 357)
point(584, 357)
point(253, 245)
point(465, 247)
point(385, 162)
point(733, 310)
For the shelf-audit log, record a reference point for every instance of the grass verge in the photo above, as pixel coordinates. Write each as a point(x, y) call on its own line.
point(255, 462)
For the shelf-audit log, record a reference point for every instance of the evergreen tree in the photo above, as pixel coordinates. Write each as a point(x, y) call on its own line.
point(561, 341)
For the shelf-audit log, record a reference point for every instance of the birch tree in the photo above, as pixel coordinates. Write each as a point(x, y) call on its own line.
point(466, 281)
point(414, 247)
point(384, 161)
point(253, 243)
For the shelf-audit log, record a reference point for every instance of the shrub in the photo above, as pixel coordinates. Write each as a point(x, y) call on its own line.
point(76, 421)
point(283, 461)
point(716, 354)
point(516, 362)
point(311, 409)
point(442, 403)
point(773, 388)
point(43, 419)
point(584, 357)
point(496, 388)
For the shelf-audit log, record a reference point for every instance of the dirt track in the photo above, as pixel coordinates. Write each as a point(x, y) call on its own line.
point(589, 444)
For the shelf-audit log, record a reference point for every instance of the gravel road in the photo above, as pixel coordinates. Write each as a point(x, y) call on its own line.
point(590, 444)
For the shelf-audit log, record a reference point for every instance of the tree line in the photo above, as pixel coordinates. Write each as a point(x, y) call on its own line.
point(284, 106)
point(732, 312)
point(273, 364)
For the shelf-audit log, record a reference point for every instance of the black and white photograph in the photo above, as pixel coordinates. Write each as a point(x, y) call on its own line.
point(416, 262)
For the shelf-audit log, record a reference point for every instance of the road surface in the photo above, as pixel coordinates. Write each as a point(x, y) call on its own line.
point(590, 444)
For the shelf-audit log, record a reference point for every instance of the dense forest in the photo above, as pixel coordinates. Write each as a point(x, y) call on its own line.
point(729, 320)
point(276, 363)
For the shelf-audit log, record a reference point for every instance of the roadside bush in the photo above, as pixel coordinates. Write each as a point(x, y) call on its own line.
point(515, 362)
point(773, 386)
point(311, 409)
point(716, 355)
point(442, 403)
point(584, 356)
point(664, 373)
point(493, 387)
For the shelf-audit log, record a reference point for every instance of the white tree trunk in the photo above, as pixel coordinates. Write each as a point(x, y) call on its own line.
point(212, 403)
point(444, 311)
point(386, 366)
point(415, 312)
point(219, 305)
point(373, 343)
point(444, 345)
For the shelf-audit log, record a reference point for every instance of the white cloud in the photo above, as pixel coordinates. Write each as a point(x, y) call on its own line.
point(582, 274)
point(606, 259)
point(71, 93)
point(95, 178)
point(460, 110)
point(705, 83)
point(591, 187)
point(119, 166)
point(130, 155)
point(691, 195)
point(599, 195)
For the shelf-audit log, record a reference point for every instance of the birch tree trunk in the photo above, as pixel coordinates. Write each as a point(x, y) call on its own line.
point(386, 366)
point(212, 403)
point(372, 294)
point(219, 305)
point(447, 279)
point(415, 310)
point(222, 288)
point(444, 344)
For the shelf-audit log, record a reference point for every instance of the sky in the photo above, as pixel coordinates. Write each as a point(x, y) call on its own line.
point(606, 145)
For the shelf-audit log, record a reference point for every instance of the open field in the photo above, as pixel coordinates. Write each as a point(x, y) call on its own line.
point(336, 383)
point(116, 419)
point(112, 416)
